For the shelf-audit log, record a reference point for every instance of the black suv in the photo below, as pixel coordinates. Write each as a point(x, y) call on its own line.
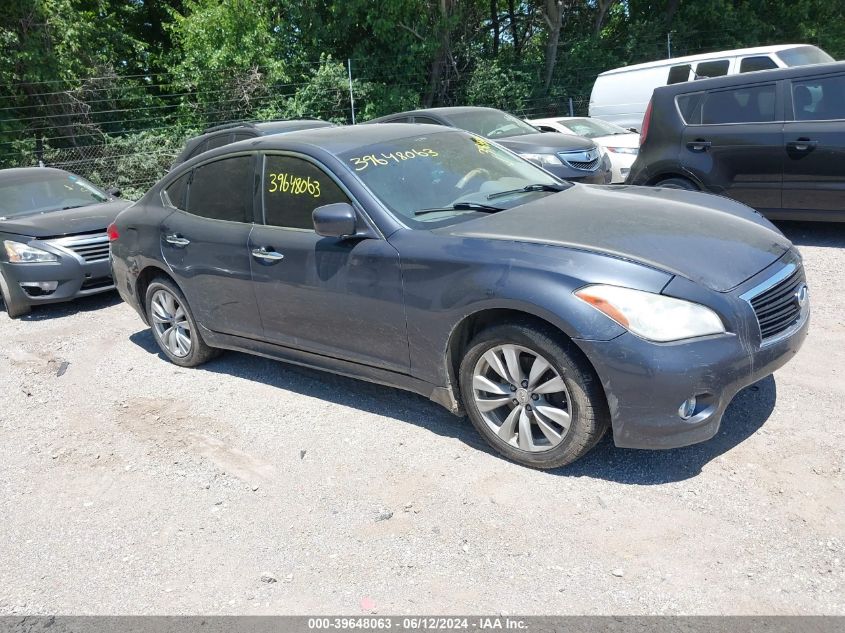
point(220, 135)
point(773, 139)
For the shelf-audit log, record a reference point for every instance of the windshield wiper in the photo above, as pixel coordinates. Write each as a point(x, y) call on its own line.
point(526, 189)
point(462, 206)
point(73, 206)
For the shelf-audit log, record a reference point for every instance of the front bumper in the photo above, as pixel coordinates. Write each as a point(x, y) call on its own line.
point(645, 383)
point(72, 275)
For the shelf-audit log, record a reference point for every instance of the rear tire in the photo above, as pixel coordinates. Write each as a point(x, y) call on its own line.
point(173, 325)
point(14, 308)
point(532, 395)
point(677, 183)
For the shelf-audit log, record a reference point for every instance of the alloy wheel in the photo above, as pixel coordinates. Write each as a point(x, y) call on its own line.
point(171, 323)
point(522, 398)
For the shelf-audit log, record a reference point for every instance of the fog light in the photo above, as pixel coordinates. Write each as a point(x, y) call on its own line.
point(38, 288)
point(687, 408)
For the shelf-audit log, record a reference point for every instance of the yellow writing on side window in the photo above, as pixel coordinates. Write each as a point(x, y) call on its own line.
point(379, 160)
point(294, 185)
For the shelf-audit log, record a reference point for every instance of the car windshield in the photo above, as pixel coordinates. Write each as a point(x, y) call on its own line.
point(591, 128)
point(803, 56)
point(422, 179)
point(47, 191)
point(491, 123)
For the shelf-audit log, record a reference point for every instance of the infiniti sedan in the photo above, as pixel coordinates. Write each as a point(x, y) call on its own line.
point(53, 237)
point(432, 260)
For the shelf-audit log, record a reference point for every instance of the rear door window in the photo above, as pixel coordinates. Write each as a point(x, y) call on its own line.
point(293, 188)
point(753, 64)
point(748, 104)
point(678, 74)
point(199, 149)
point(717, 68)
point(819, 99)
point(222, 190)
point(218, 141)
point(425, 119)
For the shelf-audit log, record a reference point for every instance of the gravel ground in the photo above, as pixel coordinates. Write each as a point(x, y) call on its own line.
point(128, 485)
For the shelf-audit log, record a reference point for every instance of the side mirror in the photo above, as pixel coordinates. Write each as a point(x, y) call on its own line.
point(114, 192)
point(335, 220)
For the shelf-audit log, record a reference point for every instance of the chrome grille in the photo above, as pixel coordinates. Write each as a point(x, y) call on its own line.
point(584, 165)
point(91, 247)
point(586, 160)
point(779, 306)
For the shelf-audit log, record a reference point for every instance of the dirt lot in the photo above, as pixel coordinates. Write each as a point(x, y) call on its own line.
point(128, 485)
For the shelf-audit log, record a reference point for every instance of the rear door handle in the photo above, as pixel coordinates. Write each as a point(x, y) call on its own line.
point(267, 256)
point(176, 240)
point(802, 145)
point(699, 145)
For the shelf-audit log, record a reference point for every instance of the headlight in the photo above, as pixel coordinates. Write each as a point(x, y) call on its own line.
point(542, 159)
point(652, 316)
point(624, 150)
point(23, 254)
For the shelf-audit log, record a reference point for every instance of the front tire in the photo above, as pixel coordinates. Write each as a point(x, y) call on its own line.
point(532, 395)
point(14, 309)
point(174, 328)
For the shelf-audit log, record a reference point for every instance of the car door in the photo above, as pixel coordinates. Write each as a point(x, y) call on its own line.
point(204, 241)
point(335, 297)
point(814, 164)
point(733, 141)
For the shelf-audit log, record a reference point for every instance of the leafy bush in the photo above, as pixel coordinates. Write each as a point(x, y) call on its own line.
point(496, 87)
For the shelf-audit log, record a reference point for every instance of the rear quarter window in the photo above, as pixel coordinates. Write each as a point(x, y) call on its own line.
point(689, 105)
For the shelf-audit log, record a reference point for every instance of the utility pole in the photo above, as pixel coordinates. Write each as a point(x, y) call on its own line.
point(669, 44)
point(351, 96)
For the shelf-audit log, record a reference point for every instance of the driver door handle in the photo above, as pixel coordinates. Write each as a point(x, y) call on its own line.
point(802, 145)
point(176, 239)
point(267, 256)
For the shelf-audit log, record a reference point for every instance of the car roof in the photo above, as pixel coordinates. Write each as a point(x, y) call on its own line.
point(673, 61)
point(760, 76)
point(266, 127)
point(28, 174)
point(334, 140)
point(443, 112)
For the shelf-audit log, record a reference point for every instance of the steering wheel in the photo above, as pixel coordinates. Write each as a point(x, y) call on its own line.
point(472, 175)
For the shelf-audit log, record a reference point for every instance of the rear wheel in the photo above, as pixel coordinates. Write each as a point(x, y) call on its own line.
point(677, 183)
point(173, 325)
point(532, 395)
point(14, 308)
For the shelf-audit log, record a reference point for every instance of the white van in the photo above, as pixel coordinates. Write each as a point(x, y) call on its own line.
point(622, 94)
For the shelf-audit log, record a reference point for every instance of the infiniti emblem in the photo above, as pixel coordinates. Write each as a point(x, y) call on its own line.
point(801, 295)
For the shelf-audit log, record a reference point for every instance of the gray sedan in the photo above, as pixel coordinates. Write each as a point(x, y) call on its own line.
point(432, 260)
point(53, 237)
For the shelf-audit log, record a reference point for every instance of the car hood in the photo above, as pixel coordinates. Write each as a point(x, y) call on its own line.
point(95, 217)
point(709, 239)
point(545, 143)
point(618, 140)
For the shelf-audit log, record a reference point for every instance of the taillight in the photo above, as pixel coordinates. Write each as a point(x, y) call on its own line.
point(112, 232)
point(646, 121)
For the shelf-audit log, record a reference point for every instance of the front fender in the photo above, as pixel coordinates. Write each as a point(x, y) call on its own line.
point(448, 280)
